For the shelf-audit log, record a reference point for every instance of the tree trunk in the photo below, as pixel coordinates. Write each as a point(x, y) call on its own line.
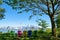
point(53, 26)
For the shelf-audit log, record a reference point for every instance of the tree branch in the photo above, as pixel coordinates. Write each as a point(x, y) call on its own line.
point(48, 8)
point(52, 8)
point(45, 11)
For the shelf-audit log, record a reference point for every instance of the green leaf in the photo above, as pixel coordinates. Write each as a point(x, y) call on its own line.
point(2, 10)
point(14, 1)
point(22, 0)
point(40, 14)
point(20, 12)
point(30, 17)
point(0, 2)
point(1, 16)
point(34, 13)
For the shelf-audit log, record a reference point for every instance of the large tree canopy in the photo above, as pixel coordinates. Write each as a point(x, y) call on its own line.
point(38, 7)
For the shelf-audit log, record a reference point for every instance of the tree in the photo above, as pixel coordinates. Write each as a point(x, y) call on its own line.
point(38, 7)
point(43, 24)
point(2, 10)
point(58, 21)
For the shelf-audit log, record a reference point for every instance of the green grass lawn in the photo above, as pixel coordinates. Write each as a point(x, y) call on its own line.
point(29, 38)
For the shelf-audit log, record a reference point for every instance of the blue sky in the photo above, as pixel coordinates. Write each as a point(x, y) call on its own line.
point(14, 19)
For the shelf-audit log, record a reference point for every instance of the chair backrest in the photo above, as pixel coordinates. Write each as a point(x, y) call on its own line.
point(35, 33)
point(19, 33)
point(12, 33)
point(24, 33)
point(29, 33)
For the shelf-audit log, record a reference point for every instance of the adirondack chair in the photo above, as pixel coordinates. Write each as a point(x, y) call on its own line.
point(35, 33)
point(24, 33)
point(29, 33)
point(12, 33)
point(19, 33)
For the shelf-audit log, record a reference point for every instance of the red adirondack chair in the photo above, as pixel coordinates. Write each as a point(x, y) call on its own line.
point(19, 33)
